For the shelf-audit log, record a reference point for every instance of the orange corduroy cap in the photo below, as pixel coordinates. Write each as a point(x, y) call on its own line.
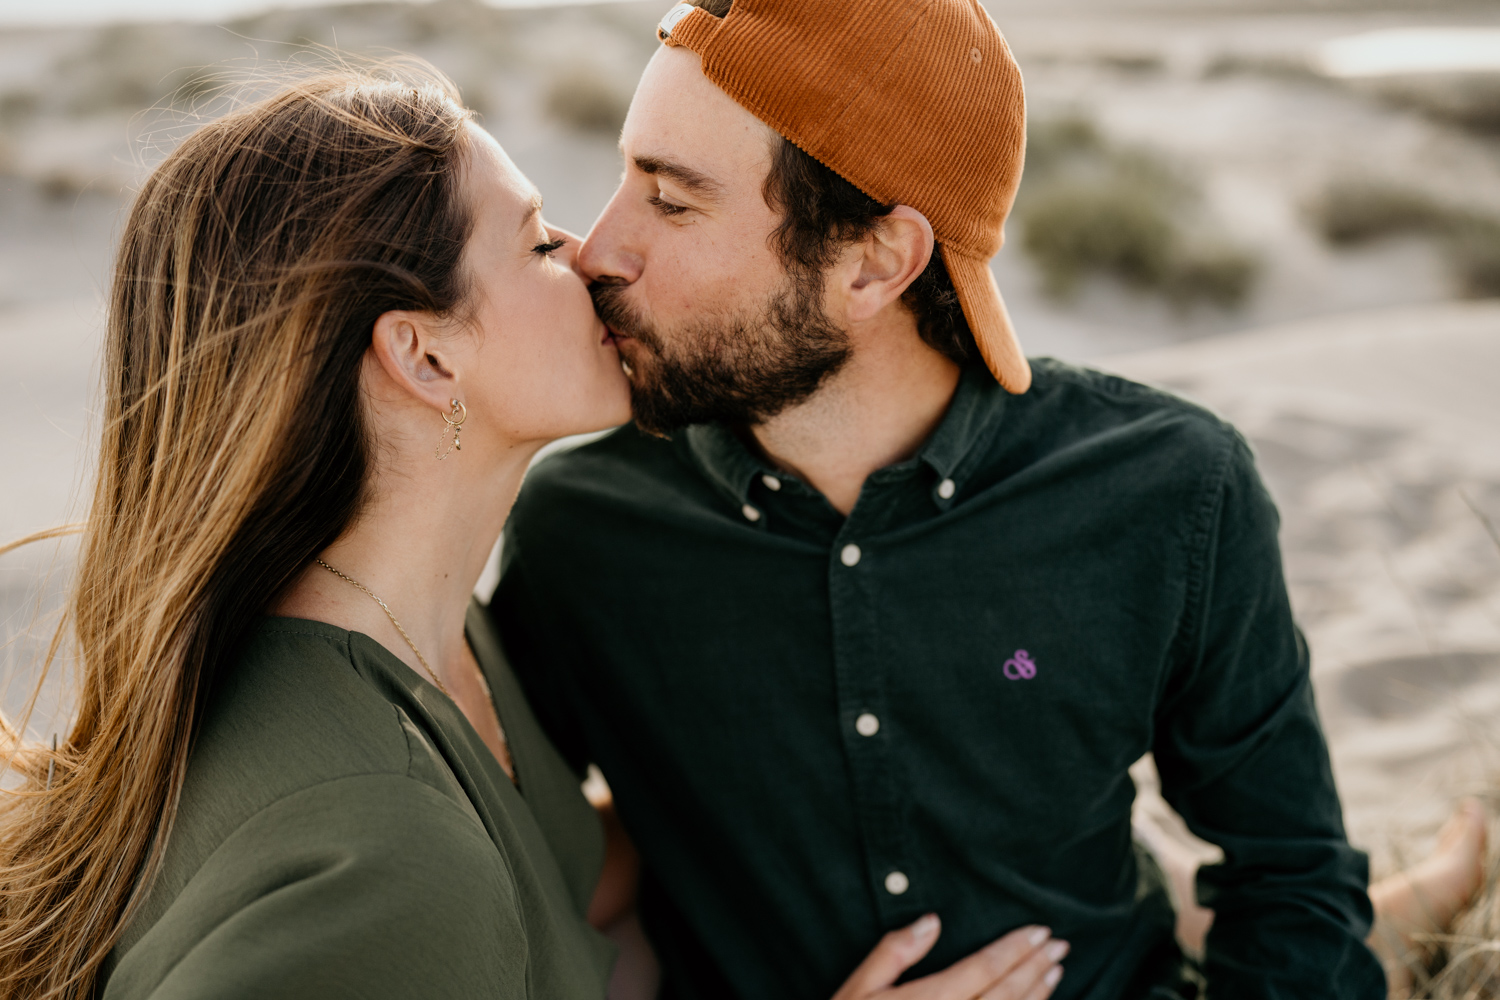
point(916, 102)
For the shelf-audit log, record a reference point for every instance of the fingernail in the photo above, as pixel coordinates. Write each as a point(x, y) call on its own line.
point(1039, 935)
point(1053, 975)
point(1056, 950)
point(925, 927)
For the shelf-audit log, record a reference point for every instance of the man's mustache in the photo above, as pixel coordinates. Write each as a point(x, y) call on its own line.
point(619, 315)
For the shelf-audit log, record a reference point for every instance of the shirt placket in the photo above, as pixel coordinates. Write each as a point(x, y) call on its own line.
point(871, 739)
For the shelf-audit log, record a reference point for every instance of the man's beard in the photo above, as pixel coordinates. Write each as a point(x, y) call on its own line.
point(736, 369)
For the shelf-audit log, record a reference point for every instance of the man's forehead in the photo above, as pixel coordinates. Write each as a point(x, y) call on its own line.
point(679, 117)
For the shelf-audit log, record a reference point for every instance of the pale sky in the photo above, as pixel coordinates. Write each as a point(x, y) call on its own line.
point(58, 12)
point(1413, 50)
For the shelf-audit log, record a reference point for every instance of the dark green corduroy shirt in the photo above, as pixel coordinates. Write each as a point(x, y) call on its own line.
point(818, 728)
point(344, 832)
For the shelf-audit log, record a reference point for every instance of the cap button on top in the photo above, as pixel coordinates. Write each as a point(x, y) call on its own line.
point(947, 488)
point(772, 483)
point(751, 514)
point(850, 554)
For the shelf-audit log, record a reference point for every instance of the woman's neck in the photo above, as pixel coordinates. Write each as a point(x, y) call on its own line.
point(420, 545)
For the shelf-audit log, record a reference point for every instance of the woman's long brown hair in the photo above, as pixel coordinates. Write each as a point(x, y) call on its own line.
point(255, 261)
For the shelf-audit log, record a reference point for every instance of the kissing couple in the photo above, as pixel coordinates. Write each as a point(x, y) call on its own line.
point(863, 616)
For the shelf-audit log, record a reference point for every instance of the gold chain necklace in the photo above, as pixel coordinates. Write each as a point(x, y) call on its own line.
point(420, 658)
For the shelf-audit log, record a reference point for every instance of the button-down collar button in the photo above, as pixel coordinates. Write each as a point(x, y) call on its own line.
point(850, 554)
point(867, 725)
point(772, 483)
point(897, 883)
point(751, 514)
point(947, 488)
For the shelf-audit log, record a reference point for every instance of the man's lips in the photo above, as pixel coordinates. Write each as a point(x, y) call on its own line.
point(614, 338)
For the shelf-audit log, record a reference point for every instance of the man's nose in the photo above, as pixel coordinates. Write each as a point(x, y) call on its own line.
point(608, 255)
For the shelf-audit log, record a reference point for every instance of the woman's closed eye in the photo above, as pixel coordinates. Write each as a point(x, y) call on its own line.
point(550, 247)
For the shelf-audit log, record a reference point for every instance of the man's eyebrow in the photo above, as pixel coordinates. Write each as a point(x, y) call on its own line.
point(696, 182)
point(531, 212)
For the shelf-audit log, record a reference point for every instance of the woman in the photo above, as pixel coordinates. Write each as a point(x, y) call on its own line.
point(338, 332)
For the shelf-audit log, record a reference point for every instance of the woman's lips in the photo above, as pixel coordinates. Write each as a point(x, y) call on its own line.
point(614, 337)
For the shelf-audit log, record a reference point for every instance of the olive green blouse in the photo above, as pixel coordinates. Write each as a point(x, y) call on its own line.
point(344, 832)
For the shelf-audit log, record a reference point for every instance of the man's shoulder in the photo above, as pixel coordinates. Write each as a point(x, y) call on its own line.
point(625, 448)
point(623, 468)
point(1070, 404)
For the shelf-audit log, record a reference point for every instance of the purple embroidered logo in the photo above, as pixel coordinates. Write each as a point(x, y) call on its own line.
point(1020, 667)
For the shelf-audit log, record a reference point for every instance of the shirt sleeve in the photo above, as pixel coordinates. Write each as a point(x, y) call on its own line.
point(373, 886)
point(1242, 758)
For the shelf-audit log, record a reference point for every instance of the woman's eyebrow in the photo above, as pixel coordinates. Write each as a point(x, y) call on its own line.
point(531, 213)
point(694, 181)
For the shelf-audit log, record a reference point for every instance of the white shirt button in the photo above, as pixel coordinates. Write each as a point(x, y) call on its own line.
point(772, 483)
point(947, 488)
point(896, 883)
point(751, 514)
point(850, 554)
point(867, 725)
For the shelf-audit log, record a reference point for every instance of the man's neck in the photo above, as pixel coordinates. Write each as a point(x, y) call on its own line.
point(877, 411)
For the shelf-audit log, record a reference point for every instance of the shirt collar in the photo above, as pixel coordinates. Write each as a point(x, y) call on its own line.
point(971, 421)
point(725, 459)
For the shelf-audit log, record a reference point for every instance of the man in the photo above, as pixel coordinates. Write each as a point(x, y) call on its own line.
point(864, 618)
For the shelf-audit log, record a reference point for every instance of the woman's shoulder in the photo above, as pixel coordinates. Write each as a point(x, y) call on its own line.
point(293, 710)
point(347, 886)
point(290, 719)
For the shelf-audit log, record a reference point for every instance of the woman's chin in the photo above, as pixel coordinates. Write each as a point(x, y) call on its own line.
point(608, 406)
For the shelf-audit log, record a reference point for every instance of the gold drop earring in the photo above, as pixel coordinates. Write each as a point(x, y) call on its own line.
point(455, 421)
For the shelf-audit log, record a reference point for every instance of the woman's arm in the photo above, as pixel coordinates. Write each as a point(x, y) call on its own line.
point(615, 896)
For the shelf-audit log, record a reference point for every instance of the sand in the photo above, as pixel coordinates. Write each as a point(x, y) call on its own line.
point(1379, 436)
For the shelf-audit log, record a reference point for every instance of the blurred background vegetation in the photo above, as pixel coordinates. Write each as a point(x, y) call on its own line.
point(1193, 169)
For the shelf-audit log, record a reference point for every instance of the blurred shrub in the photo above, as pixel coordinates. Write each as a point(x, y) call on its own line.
point(1354, 211)
point(18, 106)
point(588, 102)
point(1072, 229)
point(1133, 62)
point(1052, 143)
point(1216, 272)
point(61, 185)
point(1474, 253)
point(1248, 64)
point(1471, 100)
point(1087, 206)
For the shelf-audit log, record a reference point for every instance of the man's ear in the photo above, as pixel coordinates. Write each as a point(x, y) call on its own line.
point(407, 348)
point(893, 255)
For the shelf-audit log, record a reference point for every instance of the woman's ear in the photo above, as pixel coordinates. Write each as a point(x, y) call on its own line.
point(892, 257)
point(412, 356)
